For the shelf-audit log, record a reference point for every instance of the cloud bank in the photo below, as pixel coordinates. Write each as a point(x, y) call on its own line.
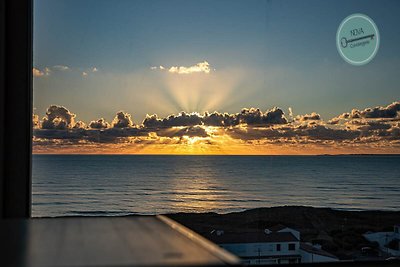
point(373, 128)
point(390, 111)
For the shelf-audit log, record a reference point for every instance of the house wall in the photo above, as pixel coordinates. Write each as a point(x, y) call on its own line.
point(268, 261)
point(307, 257)
point(260, 261)
point(397, 231)
point(261, 249)
point(392, 251)
point(381, 237)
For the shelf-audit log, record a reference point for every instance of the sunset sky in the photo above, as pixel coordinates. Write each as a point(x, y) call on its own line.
point(215, 61)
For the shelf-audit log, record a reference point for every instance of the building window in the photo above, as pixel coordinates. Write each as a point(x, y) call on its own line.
point(278, 247)
point(292, 246)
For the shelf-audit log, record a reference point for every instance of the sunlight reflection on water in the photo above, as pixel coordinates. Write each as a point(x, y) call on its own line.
point(119, 185)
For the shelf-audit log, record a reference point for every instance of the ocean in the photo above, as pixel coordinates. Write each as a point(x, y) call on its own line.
point(66, 185)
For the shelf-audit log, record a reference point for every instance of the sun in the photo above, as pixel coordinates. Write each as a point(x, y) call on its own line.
point(192, 140)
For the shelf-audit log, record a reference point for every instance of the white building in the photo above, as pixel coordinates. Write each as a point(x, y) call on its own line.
point(276, 245)
point(310, 253)
point(389, 242)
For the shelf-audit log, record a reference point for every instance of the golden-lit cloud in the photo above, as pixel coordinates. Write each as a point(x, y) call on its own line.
point(39, 73)
point(250, 131)
point(308, 117)
point(35, 121)
point(201, 67)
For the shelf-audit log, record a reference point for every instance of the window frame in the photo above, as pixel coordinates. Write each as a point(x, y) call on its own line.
point(15, 108)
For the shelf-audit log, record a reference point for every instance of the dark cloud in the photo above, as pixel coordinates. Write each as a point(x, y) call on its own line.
point(256, 133)
point(394, 131)
point(58, 117)
point(102, 135)
point(99, 124)
point(70, 134)
point(191, 131)
point(307, 117)
point(315, 132)
point(220, 119)
point(80, 125)
point(182, 119)
point(112, 134)
point(390, 111)
point(254, 116)
point(247, 116)
point(122, 120)
point(321, 132)
point(369, 125)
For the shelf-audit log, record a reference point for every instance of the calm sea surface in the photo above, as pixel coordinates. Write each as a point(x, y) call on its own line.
point(119, 185)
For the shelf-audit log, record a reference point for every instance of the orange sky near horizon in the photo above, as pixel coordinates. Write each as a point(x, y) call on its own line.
point(228, 146)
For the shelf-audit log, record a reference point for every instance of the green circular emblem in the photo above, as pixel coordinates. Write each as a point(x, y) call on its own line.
point(357, 39)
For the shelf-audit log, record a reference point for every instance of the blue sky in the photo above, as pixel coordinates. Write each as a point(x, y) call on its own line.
point(261, 54)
